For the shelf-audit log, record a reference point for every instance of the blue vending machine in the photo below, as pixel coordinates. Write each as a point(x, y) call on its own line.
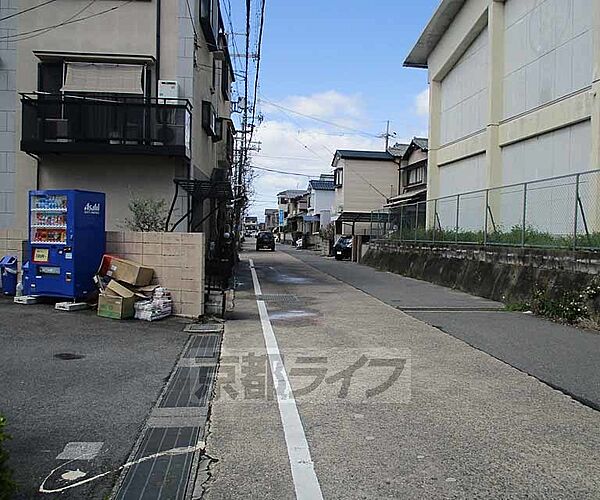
point(66, 243)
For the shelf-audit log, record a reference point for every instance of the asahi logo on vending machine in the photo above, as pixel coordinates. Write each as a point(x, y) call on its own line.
point(91, 208)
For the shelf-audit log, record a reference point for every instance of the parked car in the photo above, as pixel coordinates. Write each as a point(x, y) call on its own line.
point(265, 239)
point(343, 248)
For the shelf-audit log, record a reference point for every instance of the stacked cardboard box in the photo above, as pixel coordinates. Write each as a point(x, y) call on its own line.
point(122, 283)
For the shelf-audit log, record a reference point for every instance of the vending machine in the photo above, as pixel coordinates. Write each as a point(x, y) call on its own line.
point(66, 243)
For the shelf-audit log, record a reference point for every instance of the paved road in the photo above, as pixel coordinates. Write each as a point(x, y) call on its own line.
point(103, 397)
point(456, 423)
point(561, 356)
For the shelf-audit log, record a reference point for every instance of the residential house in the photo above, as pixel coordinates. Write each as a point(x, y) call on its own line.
point(250, 224)
point(321, 199)
point(297, 209)
point(513, 97)
point(364, 181)
point(413, 174)
point(271, 218)
point(284, 199)
point(126, 100)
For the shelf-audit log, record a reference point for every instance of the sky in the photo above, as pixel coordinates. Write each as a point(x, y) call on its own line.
point(334, 61)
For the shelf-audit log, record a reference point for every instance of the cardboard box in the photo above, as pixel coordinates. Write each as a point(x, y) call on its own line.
point(115, 307)
point(126, 271)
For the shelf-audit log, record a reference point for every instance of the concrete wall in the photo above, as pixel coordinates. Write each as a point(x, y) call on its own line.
point(11, 243)
point(464, 93)
point(177, 260)
point(502, 274)
point(542, 111)
point(8, 106)
point(120, 177)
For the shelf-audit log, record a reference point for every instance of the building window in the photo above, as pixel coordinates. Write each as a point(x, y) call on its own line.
point(209, 20)
point(209, 118)
point(416, 176)
point(339, 177)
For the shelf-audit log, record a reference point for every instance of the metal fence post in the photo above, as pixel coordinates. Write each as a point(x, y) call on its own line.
point(416, 220)
point(435, 218)
point(401, 222)
point(457, 217)
point(575, 215)
point(485, 224)
point(524, 220)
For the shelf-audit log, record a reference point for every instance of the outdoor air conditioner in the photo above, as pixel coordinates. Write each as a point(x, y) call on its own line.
point(56, 130)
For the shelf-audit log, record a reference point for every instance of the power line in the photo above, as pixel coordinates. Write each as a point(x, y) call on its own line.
point(26, 10)
point(68, 21)
point(258, 51)
point(284, 172)
point(327, 122)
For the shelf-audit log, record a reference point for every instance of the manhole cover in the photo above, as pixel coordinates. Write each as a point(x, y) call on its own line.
point(68, 356)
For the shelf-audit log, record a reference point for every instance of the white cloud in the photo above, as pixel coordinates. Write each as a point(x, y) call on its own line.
point(422, 103)
point(326, 105)
point(294, 144)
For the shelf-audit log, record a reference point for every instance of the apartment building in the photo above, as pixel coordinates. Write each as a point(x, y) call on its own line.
point(118, 97)
point(364, 181)
point(514, 96)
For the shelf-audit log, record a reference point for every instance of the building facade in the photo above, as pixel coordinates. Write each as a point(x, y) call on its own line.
point(121, 99)
point(412, 173)
point(271, 218)
point(364, 181)
point(514, 94)
point(321, 199)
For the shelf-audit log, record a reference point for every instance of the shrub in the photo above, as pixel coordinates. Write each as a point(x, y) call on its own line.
point(7, 485)
point(147, 215)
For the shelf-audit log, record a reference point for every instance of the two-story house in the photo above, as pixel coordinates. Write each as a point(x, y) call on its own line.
point(412, 174)
point(364, 181)
point(126, 99)
point(321, 199)
point(271, 218)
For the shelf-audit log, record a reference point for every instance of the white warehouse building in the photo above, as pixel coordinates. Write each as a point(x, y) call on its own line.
point(514, 96)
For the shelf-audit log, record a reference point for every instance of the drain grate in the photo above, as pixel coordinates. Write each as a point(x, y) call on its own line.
point(162, 476)
point(203, 346)
point(282, 298)
point(203, 328)
point(191, 386)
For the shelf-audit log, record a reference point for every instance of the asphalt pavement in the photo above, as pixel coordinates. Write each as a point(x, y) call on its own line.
point(454, 423)
point(562, 356)
point(69, 378)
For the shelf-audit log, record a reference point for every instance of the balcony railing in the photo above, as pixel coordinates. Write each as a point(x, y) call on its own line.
point(57, 123)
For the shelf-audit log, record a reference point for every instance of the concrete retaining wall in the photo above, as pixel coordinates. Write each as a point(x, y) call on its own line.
point(504, 274)
point(177, 260)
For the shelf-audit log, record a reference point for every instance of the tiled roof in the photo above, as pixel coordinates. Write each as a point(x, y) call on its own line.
point(322, 185)
point(422, 142)
point(363, 155)
point(398, 149)
point(291, 193)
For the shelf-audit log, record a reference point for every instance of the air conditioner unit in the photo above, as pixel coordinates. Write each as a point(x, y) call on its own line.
point(165, 134)
point(56, 130)
point(168, 92)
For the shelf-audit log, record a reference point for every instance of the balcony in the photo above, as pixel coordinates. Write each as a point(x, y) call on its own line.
point(55, 123)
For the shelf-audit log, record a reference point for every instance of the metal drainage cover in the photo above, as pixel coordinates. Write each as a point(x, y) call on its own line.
point(190, 387)
point(203, 328)
point(278, 297)
point(203, 346)
point(162, 467)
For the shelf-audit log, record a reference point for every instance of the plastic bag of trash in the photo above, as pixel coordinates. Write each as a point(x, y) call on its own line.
point(158, 307)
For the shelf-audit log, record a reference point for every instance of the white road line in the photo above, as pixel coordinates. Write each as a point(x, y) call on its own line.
point(305, 479)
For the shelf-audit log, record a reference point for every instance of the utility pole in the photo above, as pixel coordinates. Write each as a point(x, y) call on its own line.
point(387, 135)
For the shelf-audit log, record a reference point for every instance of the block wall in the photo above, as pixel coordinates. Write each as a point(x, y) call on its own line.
point(177, 260)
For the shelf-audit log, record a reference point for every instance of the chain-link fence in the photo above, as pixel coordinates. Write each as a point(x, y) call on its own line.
point(557, 212)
